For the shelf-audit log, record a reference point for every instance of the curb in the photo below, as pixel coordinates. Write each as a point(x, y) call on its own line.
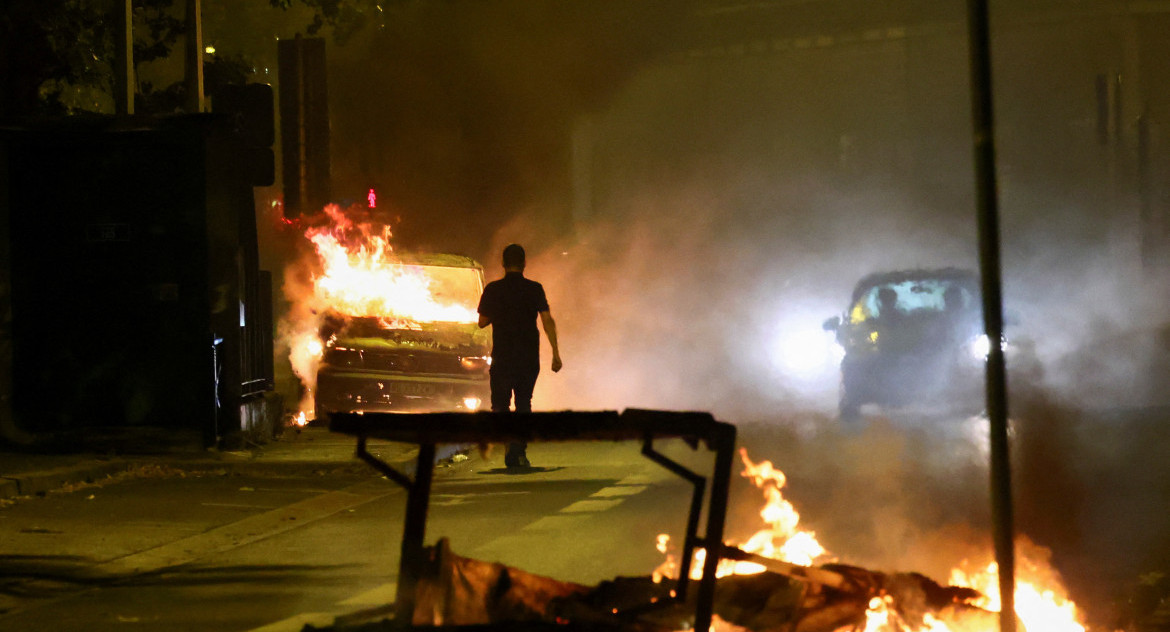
point(43, 481)
point(47, 480)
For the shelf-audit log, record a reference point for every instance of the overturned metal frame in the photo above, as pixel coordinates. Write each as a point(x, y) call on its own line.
point(430, 429)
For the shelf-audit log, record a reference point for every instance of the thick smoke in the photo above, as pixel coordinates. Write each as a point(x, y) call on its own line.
point(675, 307)
point(735, 196)
point(681, 286)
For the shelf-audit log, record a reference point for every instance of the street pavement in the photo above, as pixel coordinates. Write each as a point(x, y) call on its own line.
point(244, 550)
point(27, 473)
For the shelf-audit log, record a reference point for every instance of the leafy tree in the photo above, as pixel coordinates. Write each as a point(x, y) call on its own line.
point(346, 18)
point(56, 56)
point(47, 47)
point(218, 71)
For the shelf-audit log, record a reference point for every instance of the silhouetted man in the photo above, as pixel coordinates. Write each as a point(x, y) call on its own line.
point(510, 305)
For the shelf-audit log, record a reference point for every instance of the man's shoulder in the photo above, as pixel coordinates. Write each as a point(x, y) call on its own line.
point(515, 282)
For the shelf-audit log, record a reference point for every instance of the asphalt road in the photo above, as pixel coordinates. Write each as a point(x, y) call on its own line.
point(164, 550)
point(901, 492)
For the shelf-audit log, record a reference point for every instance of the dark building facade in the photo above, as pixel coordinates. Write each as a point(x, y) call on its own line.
point(133, 289)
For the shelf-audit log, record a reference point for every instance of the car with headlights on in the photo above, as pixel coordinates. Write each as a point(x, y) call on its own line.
point(437, 360)
point(911, 337)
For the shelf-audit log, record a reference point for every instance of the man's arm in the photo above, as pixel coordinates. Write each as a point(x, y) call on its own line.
point(550, 330)
point(485, 307)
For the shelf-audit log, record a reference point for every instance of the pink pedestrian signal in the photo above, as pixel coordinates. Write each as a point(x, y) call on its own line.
point(372, 198)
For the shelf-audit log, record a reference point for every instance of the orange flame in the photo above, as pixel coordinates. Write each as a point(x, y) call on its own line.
point(781, 540)
point(352, 270)
point(361, 276)
point(1041, 601)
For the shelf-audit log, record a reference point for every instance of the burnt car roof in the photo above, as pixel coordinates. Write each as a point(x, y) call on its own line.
point(432, 259)
point(960, 275)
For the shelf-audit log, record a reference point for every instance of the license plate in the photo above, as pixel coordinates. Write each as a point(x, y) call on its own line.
point(415, 389)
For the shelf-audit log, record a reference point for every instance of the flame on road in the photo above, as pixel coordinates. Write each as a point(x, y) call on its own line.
point(1042, 604)
point(1041, 601)
point(781, 539)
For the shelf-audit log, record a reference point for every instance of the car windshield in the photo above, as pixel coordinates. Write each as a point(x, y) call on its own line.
point(912, 297)
point(451, 285)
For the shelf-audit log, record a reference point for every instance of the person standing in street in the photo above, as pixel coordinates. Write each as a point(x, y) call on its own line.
point(511, 305)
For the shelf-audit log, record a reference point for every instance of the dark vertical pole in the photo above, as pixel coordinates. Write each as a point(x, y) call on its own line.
point(413, 532)
point(1149, 231)
point(292, 121)
point(987, 201)
point(724, 445)
point(316, 130)
point(688, 549)
point(194, 62)
point(698, 493)
point(123, 58)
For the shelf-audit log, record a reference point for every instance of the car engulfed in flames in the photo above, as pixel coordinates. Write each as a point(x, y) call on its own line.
point(380, 363)
point(370, 328)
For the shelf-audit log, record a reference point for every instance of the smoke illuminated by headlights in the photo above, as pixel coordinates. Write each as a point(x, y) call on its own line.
point(805, 352)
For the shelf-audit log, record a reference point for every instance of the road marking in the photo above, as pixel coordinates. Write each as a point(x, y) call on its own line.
point(243, 532)
point(627, 490)
point(237, 505)
point(551, 523)
point(591, 506)
point(381, 597)
point(447, 500)
point(638, 479)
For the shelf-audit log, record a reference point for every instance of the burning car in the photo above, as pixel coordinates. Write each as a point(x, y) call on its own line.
point(430, 357)
point(911, 336)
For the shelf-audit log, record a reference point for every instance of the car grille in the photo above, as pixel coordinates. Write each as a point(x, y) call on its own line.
point(395, 361)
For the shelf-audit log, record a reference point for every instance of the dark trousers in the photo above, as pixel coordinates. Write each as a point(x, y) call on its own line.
point(507, 383)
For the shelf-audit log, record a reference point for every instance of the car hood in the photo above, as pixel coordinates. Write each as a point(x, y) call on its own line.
point(461, 338)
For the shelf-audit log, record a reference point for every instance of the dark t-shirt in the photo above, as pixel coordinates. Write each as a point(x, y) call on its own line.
point(512, 304)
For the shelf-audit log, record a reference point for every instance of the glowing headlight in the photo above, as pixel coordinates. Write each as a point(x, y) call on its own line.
point(980, 346)
point(475, 363)
point(806, 353)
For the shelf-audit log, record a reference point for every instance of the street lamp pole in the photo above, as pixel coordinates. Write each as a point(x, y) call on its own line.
point(194, 58)
point(987, 203)
point(123, 20)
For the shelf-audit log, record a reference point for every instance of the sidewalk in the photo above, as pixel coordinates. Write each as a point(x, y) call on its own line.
point(310, 449)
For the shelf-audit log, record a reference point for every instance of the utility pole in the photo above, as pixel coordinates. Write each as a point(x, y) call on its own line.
point(194, 69)
point(123, 19)
point(987, 203)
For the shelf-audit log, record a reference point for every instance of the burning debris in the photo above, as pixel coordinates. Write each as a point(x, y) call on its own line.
point(765, 586)
point(781, 540)
point(459, 591)
point(844, 596)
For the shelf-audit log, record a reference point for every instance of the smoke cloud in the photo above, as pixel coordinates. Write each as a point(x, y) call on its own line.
point(734, 197)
